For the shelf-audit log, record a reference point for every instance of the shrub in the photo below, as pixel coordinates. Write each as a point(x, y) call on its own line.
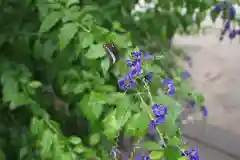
point(59, 92)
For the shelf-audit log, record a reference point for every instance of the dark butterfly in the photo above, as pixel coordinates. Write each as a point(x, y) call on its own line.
point(112, 51)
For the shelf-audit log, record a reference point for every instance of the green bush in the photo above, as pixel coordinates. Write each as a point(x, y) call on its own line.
point(59, 93)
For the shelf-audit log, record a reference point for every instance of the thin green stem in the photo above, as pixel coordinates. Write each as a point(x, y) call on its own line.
point(146, 108)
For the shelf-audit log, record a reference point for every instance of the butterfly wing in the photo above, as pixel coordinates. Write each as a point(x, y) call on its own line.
point(112, 52)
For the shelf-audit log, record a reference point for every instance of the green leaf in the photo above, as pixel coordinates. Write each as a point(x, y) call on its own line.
point(72, 2)
point(174, 141)
point(46, 142)
point(123, 111)
point(2, 155)
point(150, 145)
point(117, 26)
point(75, 140)
point(183, 158)
point(170, 153)
point(170, 124)
point(50, 21)
point(156, 154)
point(105, 88)
point(36, 126)
point(111, 125)
point(105, 65)
point(10, 90)
point(35, 84)
point(3, 39)
point(137, 125)
point(19, 100)
point(79, 149)
point(86, 39)
point(38, 111)
point(23, 152)
point(91, 108)
point(67, 33)
point(94, 139)
point(95, 51)
point(122, 41)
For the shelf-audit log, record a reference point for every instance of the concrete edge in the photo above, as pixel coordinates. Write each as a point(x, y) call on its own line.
point(214, 137)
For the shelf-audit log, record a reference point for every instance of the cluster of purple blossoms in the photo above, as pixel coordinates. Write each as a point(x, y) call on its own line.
point(128, 81)
point(203, 108)
point(169, 85)
point(192, 154)
point(229, 13)
point(160, 112)
point(142, 157)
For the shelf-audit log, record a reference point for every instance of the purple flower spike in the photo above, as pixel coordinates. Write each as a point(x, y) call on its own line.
point(204, 110)
point(217, 8)
point(186, 74)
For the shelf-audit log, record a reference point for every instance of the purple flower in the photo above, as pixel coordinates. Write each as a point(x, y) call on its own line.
point(152, 127)
point(233, 34)
point(115, 152)
point(160, 120)
point(169, 84)
point(217, 8)
point(192, 103)
point(121, 82)
point(149, 76)
point(136, 54)
point(146, 157)
point(159, 111)
point(129, 63)
point(204, 110)
point(171, 90)
point(227, 25)
point(194, 154)
point(125, 85)
point(142, 157)
point(167, 81)
point(186, 74)
point(232, 12)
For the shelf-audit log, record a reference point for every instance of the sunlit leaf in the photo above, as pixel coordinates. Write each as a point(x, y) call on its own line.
point(50, 21)
point(95, 51)
point(35, 84)
point(150, 145)
point(94, 139)
point(46, 142)
point(105, 64)
point(85, 39)
point(111, 125)
point(75, 140)
point(66, 34)
point(23, 152)
point(91, 108)
point(137, 124)
point(156, 154)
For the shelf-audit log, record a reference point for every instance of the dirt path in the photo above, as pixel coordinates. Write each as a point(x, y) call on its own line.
point(216, 73)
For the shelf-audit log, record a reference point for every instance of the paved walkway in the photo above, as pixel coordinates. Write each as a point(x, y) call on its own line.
point(215, 73)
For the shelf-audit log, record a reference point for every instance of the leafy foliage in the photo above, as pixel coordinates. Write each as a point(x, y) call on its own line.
point(59, 93)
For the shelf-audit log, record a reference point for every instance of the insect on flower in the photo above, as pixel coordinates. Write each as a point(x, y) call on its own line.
point(112, 51)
